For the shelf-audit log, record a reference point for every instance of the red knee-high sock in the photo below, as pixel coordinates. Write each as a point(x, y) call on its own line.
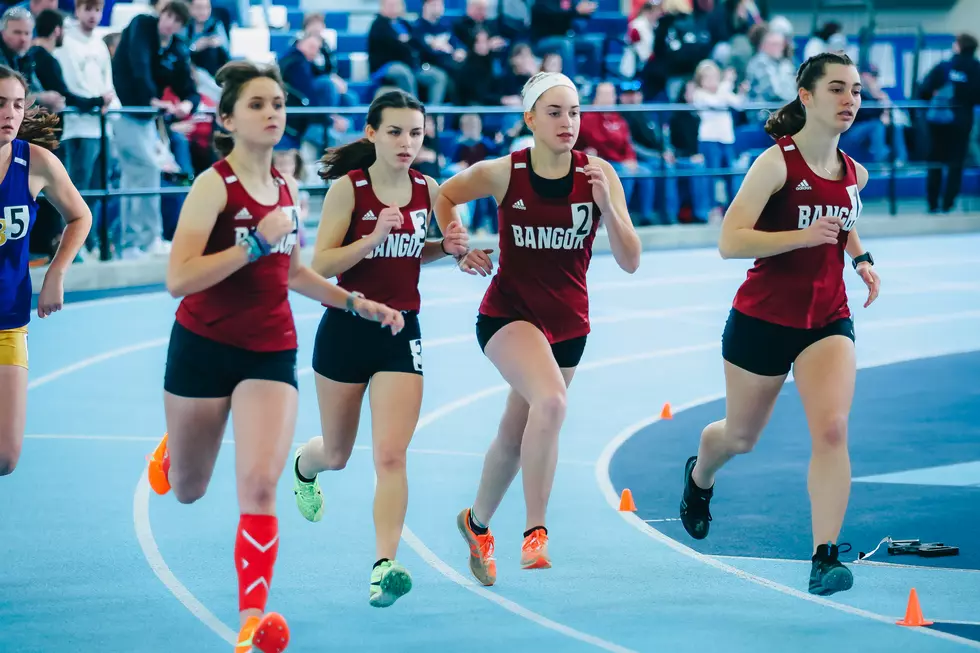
point(256, 547)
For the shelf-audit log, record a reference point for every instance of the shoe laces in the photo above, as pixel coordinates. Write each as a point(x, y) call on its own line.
point(486, 546)
point(697, 505)
point(535, 540)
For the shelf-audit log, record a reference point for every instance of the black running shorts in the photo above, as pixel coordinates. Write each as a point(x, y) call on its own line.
point(770, 349)
point(567, 353)
point(202, 368)
point(350, 349)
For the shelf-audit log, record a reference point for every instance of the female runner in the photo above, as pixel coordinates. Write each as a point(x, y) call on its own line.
point(233, 344)
point(372, 237)
point(534, 318)
point(27, 167)
point(795, 214)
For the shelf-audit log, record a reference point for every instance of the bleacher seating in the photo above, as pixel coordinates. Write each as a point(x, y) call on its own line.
point(893, 54)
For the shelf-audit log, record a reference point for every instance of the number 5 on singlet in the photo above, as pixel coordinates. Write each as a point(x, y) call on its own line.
point(13, 226)
point(582, 219)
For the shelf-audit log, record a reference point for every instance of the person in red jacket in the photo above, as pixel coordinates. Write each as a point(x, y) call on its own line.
point(606, 134)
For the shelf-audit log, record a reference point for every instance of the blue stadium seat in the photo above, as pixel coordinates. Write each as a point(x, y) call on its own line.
point(337, 21)
point(347, 42)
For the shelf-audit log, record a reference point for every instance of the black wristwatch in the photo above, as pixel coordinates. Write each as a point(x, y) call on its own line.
point(861, 259)
point(350, 300)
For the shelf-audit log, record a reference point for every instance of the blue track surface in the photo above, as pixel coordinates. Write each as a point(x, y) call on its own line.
point(92, 562)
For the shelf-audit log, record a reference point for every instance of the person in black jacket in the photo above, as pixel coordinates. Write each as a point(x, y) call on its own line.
point(394, 55)
point(953, 86)
point(49, 33)
point(150, 58)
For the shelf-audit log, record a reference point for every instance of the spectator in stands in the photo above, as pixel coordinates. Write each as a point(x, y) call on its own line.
point(714, 94)
point(394, 55)
point(953, 89)
point(475, 80)
point(475, 21)
point(607, 135)
point(552, 63)
point(208, 39)
point(50, 34)
point(829, 38)
point(304, 83)
point(771, 75)
point(639, 39)
point(873, 126)
point(553, 29)
point(325, 65)
point(740, 17)
point(37, 6)
point(683, 152)
point(512, 18)
point(472, 147)
point(437, 45)
point(16, 31)
point(150, 58)
point(86, 67)
point(111, 41)
point(523, 66)
point(681, 40)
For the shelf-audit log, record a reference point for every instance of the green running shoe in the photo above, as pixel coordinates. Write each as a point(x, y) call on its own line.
point(389, 582)
point(309, 498)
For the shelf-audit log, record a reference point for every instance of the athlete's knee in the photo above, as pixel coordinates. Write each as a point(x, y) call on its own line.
point(335, 460)
point(389, 458)
point(188, 490)
point(831, 432)
point(257, 490)
point(550, 406)
point(741, 441)
point(9, 455)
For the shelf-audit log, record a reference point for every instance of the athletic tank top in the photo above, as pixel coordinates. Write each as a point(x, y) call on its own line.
point(19, 215)
point(803, 288)
point(390, 273)
point(545, 251)
point(249, 309)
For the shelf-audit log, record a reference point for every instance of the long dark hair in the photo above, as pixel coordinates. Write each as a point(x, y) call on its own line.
point(232, 78)
point(790, 119)
point(338, 161)
point(39, 126)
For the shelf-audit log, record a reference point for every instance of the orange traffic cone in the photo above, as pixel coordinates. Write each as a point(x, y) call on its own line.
point(665, 412)
point(626, 501)
point(913, 613)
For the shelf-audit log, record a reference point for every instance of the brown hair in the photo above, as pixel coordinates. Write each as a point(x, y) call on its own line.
point(39, 127)
point(338, 161)
point(790, 118)
point(179, 10)
point(967, 44)
point(90, 4)
point(232, 78)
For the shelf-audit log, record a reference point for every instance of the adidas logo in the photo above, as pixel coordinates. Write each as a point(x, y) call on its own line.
point(804, 185)
point(519, 204)
point(243, 215)
point(369, 216)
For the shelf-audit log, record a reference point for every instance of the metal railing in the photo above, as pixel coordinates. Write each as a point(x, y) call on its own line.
point(753, 110)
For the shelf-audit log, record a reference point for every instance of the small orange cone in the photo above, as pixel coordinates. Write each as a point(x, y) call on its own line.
point(626, 501)
point(913, 613)
point(665, 412)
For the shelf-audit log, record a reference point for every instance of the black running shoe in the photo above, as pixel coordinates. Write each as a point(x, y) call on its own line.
point(827, 575)
point(694, 504)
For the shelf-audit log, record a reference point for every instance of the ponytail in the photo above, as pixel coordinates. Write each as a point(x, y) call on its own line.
point(338, 161)
point(788, 120)
point(40, 127)
point(224, 142)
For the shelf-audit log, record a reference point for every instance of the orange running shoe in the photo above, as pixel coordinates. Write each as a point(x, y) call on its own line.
point(159, 468)
point(270, 634)
point(534, 552)
point(482, 562)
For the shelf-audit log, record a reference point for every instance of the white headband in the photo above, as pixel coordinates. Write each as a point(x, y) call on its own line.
point(543, 83)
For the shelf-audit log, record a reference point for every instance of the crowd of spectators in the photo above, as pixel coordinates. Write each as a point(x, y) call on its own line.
point(715, 55)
